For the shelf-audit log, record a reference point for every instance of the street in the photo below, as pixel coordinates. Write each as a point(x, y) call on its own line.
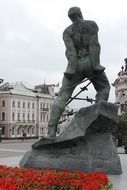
point(11, 151)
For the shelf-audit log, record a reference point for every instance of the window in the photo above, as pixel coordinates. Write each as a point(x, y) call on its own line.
point(13, 104)
point(13, 130)
point(18, 116)
point(23, 105)
point(123, 107)
point(18, 104)
point(41, 117)
point(28, 116)
point(3, 130)
point(47, 105)
point(32, 116)
point(28, 105)
point(3, 116)
point(42, 130)
point(44, 118)
point(32, 105)
point(32, 130)
point(13, 116)
point(18, 131)
point(41, 105)
point(23, 116)
point(3, 103)
point(28, 130)
point(47, 118)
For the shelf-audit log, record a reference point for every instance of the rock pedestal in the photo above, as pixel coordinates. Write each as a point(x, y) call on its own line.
point(86, 145)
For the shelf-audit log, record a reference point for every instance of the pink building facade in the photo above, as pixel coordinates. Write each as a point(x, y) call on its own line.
point(25, 111)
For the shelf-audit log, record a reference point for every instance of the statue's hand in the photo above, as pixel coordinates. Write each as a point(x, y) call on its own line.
point(99, 69)
point(68, 75)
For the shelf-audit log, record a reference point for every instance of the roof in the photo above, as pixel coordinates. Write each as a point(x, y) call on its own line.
point(16, 88)
point(43, 88)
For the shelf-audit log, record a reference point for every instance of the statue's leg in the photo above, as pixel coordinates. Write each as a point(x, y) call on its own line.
point(59, 106)
point(59, 103)
point(102, 86)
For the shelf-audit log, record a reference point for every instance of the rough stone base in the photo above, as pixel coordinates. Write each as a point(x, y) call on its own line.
point(94, 150)
point(88, 155)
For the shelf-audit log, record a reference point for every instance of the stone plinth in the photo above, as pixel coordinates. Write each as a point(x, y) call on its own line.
point(86, 145)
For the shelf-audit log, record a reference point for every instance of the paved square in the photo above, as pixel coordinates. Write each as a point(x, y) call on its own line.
point(11, 154)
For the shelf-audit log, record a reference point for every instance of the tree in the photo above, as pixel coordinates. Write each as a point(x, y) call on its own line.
point(121, 131)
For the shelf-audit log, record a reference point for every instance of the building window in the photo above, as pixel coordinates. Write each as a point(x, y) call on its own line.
point(3, 116)
point(18, 131)
point(23, 116)
point(23, 105)
point(3, 130)
point(47, 118)
point(28, 105)
point(28, 117)
point(44, 118)
point(32, 105)
point(123, 107)
point(13, 104)
point(41, 117)
point(32, 116)
point(41, 105)
point(18, 104)
point(32, 130)
point(18, 116)
point(13, 130)
point(47, 105)
point(42, 130)
point(13, 116)
point(28, 130)
point(3, 103)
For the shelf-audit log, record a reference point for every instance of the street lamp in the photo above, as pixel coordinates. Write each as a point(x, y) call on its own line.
point(0, 134)
point(1, 80)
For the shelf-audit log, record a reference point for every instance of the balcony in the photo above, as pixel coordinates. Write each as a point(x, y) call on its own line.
point(44, 109)
point(25, 121)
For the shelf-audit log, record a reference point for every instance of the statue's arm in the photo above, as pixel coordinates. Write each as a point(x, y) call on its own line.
point(70, 52)
point(94, 47)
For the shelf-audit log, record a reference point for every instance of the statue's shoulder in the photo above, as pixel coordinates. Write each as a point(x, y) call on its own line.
point(92, 25)
point(67, 30)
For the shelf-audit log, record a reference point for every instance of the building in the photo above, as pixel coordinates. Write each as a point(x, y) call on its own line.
point(120, 85)
point(26, 111)
point(44, 96)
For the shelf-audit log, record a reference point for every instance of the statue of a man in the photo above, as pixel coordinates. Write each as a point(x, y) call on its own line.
point(83, 55)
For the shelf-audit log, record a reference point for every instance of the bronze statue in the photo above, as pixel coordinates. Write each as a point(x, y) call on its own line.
point(83, 55)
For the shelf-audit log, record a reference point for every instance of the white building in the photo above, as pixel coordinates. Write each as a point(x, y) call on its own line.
point(44, 96)
point(24, 110)
point(120, 85)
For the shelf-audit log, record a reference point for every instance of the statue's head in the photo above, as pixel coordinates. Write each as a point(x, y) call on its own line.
point(74, 13)
point(125, 60)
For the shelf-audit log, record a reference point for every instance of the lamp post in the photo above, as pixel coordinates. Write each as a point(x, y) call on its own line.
point(0, 134)
point(1, 80)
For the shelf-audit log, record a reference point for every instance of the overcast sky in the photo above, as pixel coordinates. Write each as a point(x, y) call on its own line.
point(31, 45)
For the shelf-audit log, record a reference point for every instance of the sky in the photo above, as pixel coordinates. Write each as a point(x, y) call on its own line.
point(31, 46)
